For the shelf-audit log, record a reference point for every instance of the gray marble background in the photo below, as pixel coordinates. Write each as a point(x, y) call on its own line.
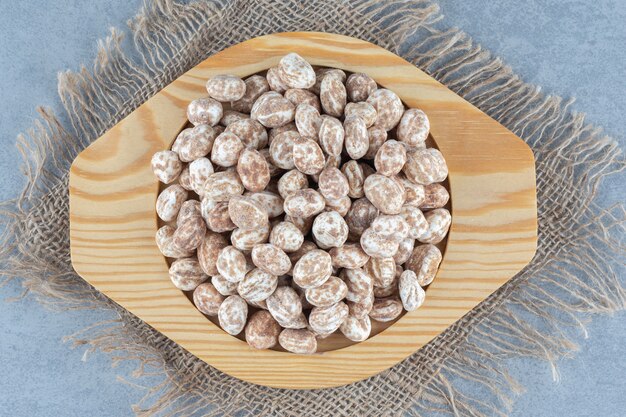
point(570, 48)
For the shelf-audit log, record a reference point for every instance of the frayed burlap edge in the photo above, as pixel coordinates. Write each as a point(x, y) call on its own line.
point(539, 314)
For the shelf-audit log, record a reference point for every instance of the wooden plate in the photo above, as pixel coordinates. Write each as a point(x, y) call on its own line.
point(492, 237)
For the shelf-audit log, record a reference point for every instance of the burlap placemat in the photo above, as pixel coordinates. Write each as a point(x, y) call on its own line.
point(539, 313)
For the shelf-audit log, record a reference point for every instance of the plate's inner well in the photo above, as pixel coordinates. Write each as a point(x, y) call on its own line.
point(336, 340)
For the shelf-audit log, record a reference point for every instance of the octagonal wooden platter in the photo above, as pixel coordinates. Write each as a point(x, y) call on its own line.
point(492, 237)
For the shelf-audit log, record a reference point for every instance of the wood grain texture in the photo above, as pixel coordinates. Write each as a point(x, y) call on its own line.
point(113, 221)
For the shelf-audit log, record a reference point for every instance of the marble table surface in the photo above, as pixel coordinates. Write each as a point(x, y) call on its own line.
point(570, 48)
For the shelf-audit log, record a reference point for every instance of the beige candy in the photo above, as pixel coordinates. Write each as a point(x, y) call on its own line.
point(392, 288)
point(251, 133)
point(360, 216)
point(166, 166)
point(301, 293)
point(330, 230)
point(300, 96)
point(207, 299)
point(392, 227)
point(209, 250)
point(272, 202)
point(232, 314)
point(295, 72)
point(287, 237)
point(205, 111)
point(289, 127)
point(281, 149)
point(232, 264)
point(354, 173)
point(188, 209)
point(333, 184)
point(190, 232)
point(180, 139)
point(308, 156)
point(424, 261)
point(184, 179)
point(221, 186)
point(262, 330)
point(331, 292)
point(304, 203)
point(261, 305)
point(386, 194)
point(304, 224)
point(166, 246)
point(186, 274)
point(247, 213)
point(170, 201)
point(273, 110)
point(333, 95)
point(390, 158)
point(194, 143)
point(331, 136)
point(411, 293)
point(299, 322)
point(231, 117)
point(360, 86)
point(367, 169)
point(376, 136)
point(321, 73)
point(224, 286)
point(226, 87)
point(425, 166)
point(255, 86)
point(386, 309)
point(308, 120)
point(292, 181)
point(245, 240)
point(415, 193)
point(253, 170)
point(226, 149)
point(275, 82)
point(340, 205)
point(273, 169)
point(356, 329)
point(360, 285)
point(418, 226)
point(364, 110)
point(435, 196)
point(325, 320)
point(218, 130)
point(301, 341)
point(382, 271)
point(349, 256)
point(199, 172)
point(284, 305)
point(271, 258)
point(312, 269)
point(257, 285)
point(361, 309)
point(413, 128)
point(218, 218)
point(377, 246)
point(438, 224)
point(405, 248)
point(332, 161)
point(389, 108)
point(356, 140)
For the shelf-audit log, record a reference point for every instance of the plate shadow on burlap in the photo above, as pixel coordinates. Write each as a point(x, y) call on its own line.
point(540, 313)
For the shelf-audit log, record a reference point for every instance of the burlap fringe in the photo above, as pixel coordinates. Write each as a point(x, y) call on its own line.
point(539, 314)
